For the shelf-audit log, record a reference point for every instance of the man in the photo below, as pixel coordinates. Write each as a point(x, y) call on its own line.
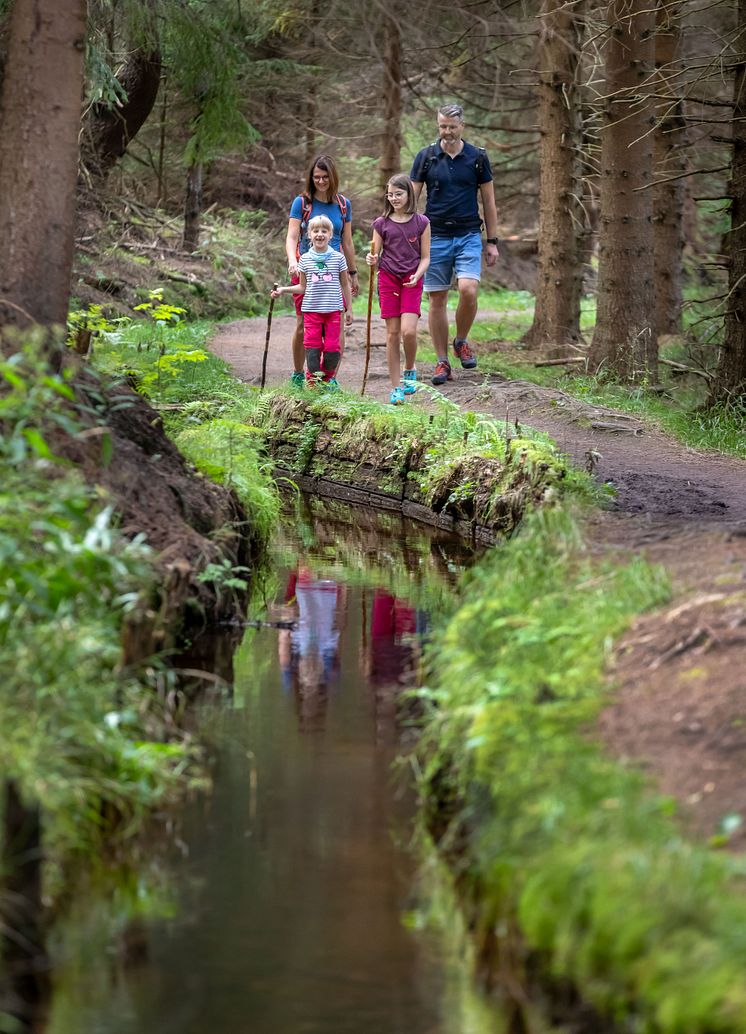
point(456, 174)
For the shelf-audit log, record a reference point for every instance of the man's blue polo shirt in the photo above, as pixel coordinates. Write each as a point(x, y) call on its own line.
point(452, 186)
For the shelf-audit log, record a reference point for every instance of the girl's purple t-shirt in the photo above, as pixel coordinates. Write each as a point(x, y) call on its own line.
point(401, 249)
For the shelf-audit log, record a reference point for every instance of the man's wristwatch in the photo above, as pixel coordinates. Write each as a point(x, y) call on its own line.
point(492, 240)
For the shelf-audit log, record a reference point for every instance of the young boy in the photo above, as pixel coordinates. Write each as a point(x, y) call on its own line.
point(325, 287)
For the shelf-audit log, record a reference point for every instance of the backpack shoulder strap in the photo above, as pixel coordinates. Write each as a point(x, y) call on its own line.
point(305, 215)
point(479, 163)
point(430, 157)
point(343, 203)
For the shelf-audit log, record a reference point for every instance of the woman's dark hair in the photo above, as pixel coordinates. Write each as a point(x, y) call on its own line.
point(327, 165)
point(401, 182)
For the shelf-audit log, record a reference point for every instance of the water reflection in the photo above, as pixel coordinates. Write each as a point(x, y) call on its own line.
point(293, 885)
point(309, 653)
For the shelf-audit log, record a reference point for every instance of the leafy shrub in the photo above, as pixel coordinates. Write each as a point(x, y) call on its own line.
point(77, 733)
point(227, 452)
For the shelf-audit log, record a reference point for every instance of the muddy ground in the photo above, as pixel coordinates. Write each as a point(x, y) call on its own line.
point(678, 705)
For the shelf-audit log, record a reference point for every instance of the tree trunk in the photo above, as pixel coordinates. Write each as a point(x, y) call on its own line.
point(24, 956)
point(39, 123)
point(391, 143)
point(560, 274)
point(311, 107)
point(108, 131)
point(625, 343)
point(730, 376)
point(670, 161)
point(193, 206)
point(310, 116)
point(162, 144)
point(3, 46)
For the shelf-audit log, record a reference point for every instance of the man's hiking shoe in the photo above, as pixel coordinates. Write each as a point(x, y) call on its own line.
point(465, 354)
point(442, 372)
point(397, 397)
point(297, 380)
point(409, 382)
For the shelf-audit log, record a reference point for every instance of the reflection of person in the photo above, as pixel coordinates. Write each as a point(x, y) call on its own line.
point(393, 658)
point(455, 174)
point(325, 287)
point(318, 632)
point(401, 247)
point(320, 197)
point(309, 655)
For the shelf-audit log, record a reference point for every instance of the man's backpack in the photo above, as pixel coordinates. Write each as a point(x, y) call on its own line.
point(305, 216)
point(432, 156)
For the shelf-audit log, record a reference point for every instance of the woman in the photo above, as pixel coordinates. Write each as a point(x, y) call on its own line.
point(320, 197)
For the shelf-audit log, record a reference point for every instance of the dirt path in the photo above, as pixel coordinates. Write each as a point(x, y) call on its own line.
point(680, 705)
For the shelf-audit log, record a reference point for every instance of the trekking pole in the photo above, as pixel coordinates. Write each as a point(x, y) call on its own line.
point(367, 329)
point(266, 340)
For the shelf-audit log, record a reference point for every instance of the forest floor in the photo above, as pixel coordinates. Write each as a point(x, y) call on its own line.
point(678, 706)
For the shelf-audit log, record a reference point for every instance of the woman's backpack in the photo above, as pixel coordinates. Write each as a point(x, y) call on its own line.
point(305, 217)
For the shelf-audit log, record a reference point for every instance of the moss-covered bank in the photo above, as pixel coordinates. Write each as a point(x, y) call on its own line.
point(460, 471)
point(573, 871)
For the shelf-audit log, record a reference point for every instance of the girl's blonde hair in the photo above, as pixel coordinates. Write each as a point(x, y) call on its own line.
point(401, 182)
point(320, 220)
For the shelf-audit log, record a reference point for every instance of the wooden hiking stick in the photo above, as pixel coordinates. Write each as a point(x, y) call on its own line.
point(367, 329)
point(266, 340)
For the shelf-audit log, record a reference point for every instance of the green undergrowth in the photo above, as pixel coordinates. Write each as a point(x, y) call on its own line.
point(229, 275)
point(548, 831)
point(201, 402)
point(90, 741)
point(228, 452)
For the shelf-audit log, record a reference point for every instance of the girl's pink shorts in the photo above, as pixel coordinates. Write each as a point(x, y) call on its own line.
point(395, 298)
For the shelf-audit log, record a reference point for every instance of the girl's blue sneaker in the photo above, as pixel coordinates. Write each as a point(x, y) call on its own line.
point(409, 382)
point(397, 397)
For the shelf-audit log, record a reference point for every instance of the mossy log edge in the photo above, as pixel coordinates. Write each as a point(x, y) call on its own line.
point(482, 496)
point(347, 493)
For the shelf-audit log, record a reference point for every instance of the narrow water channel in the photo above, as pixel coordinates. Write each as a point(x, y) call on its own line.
point(290, 899)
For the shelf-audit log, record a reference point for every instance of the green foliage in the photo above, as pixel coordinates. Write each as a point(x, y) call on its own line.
point(158, 310)
point(91, 318)
point(209, 427)
point(647, 926)
point(206, 61)
point(226, 451)
point(166, 361)
point(79, 735)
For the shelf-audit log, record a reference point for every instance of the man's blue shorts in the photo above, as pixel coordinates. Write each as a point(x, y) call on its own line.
point(449, 255)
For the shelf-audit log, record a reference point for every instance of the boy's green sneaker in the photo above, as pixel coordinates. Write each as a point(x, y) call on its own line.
point(297, 380)
point(409, 382)
point(332, 384)
point(397, 397)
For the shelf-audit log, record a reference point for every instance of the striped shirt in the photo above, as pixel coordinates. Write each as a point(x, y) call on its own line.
point(323, 289)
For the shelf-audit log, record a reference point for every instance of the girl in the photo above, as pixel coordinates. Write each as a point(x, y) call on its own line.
point(401, 247)
point(324, 286)
point(320, 196)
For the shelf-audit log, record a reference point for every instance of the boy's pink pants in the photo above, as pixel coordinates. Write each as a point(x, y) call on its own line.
point(322, 330)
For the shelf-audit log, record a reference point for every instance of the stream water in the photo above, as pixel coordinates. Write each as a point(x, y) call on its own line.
point(289, 900)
